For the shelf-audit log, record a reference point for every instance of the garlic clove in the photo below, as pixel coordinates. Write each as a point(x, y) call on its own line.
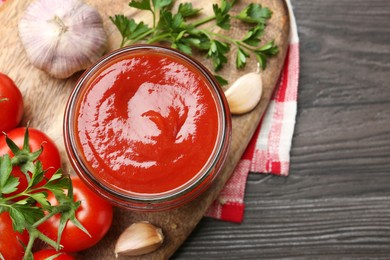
point(138, 239)
point(245, 93)
point(62, 37)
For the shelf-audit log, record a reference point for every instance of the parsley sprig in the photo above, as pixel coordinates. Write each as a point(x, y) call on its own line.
point(30, 208)
point(175, 28)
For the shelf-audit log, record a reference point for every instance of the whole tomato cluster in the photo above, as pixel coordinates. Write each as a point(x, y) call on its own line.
point(94, 213)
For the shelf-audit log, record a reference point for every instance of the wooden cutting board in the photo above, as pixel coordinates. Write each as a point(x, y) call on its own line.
point(45, 99)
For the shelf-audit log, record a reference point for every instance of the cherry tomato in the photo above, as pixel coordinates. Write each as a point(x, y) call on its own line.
point(11, 104)
point(47, 253)
point(95, 214)
point(11, 242)
point(50, 156)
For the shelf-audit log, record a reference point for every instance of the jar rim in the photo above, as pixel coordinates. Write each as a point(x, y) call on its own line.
point(206, 174)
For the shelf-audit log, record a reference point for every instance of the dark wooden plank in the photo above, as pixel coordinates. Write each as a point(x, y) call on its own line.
point(325, 228)
point(336, 202)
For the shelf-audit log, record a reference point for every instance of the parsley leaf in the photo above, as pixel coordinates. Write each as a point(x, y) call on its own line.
point(37, 175)
point(198, 39)
point(8, 183)
point(173, 28)
point(180, 45)
point(159, 4)
point(217, 53)
point(221, 80)
point(264, 52)
point(129, 29)
point(254, 13)
point(169, 22)
point(24, 215)
point(241, 58)
point(252, 37)
point(141, 4)
point(186, 10)
point(222, 15)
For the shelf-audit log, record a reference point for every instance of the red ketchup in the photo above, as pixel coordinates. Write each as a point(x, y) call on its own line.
point(147, 126)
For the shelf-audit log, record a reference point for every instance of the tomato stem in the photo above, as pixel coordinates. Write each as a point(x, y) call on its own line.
point(20, 159)
point(58, 209)
point(34, 234)
point(27, 253)
point(49, 241)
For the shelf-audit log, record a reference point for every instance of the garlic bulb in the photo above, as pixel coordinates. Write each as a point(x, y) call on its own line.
point(245, 93)
point(62, 37)
point(138, 239)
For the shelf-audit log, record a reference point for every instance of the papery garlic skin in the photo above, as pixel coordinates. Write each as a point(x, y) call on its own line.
point(62, 37)
point(245, 93)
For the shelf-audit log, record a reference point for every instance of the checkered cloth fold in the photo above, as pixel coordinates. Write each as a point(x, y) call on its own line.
point(269, 149)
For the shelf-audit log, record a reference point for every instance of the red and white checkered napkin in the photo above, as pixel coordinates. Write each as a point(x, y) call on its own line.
point(269, 149)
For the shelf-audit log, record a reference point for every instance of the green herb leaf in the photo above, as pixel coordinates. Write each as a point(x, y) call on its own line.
point(128, 28)
point(10, 186)
point(252, 37)
point(182, 47)
point(24, 215)
point(141, 4)
point(8, 183)
point(269, 48)
point(170, 23)
point(17, 219)
point(222, 15)
point(5, 169)
point(37, 174)
point(241, 58)
point(26, 168)
point(217, 53)
point(160, 4)
point(57, 182)
point(198, 39)
point(57, 175)
point(41, 198)
point(222, 81)
point(186, 10)
point(264, 52)
point(254, 13)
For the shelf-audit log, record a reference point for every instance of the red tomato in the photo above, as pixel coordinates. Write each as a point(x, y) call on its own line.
point(46, 253)
point(50, 156)
point(11, 104)
point(95, 214)
point(11, 242)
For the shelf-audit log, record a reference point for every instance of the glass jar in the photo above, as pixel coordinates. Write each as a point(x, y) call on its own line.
point(147, 127)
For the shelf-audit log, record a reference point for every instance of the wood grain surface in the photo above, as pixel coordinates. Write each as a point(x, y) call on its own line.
point(45, 99)
point(336, 202)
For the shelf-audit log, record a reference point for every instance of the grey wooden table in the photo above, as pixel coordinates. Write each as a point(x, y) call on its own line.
point(336, 201)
